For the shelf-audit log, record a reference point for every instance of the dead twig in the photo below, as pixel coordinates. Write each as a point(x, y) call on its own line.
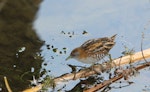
point(114, 79)
point(142, 47)
point(7, 84)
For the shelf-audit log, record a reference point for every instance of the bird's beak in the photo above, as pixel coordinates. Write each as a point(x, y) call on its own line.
point(69, 57)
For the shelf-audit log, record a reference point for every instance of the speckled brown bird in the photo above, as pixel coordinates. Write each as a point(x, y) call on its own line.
point(93, 50)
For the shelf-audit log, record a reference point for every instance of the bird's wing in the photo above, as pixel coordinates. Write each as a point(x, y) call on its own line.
point(100, 45)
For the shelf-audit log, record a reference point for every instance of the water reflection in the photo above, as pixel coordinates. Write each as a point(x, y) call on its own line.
point(20, 57)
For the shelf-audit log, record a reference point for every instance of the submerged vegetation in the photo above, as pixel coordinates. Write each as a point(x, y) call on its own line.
point(20, 57)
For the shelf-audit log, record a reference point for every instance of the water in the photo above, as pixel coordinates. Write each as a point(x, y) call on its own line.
point(62, 24)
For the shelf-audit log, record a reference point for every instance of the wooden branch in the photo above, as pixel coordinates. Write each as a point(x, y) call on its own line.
point(132, 58)
point(105, 66)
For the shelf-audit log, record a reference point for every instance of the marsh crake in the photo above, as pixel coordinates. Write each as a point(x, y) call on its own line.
point(93, 50)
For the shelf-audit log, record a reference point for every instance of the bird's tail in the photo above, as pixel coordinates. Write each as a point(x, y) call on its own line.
point(113, 37)
point(108, 45)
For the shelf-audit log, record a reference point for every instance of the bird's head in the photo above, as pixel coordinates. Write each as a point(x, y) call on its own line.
point(74, 54)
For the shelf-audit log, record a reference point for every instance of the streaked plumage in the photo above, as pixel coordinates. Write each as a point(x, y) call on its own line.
point(93, 50)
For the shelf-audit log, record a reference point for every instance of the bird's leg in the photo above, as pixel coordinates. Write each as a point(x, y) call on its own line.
point(110, 62)
point(92, 67)
point(110, 59)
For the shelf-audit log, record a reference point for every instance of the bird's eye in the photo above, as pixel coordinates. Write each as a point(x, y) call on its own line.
point(74, 53)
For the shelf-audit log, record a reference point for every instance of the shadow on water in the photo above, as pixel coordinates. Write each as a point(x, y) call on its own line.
point(19, 43)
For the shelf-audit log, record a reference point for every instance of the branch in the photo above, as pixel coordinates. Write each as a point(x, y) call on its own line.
point(114, 79)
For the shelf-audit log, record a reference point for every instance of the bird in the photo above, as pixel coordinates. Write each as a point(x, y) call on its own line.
point(93, 50)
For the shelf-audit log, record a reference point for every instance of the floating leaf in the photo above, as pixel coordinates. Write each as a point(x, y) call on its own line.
point(65, 52)
point(55, 49)
point(52, 46)
point(69, 33)
point(84, 32)
point(62, 32)
point(60, 52)
point(52, 57)
point(45, 64)
point(47, 45)
point(64, 48)
point(73, 33)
